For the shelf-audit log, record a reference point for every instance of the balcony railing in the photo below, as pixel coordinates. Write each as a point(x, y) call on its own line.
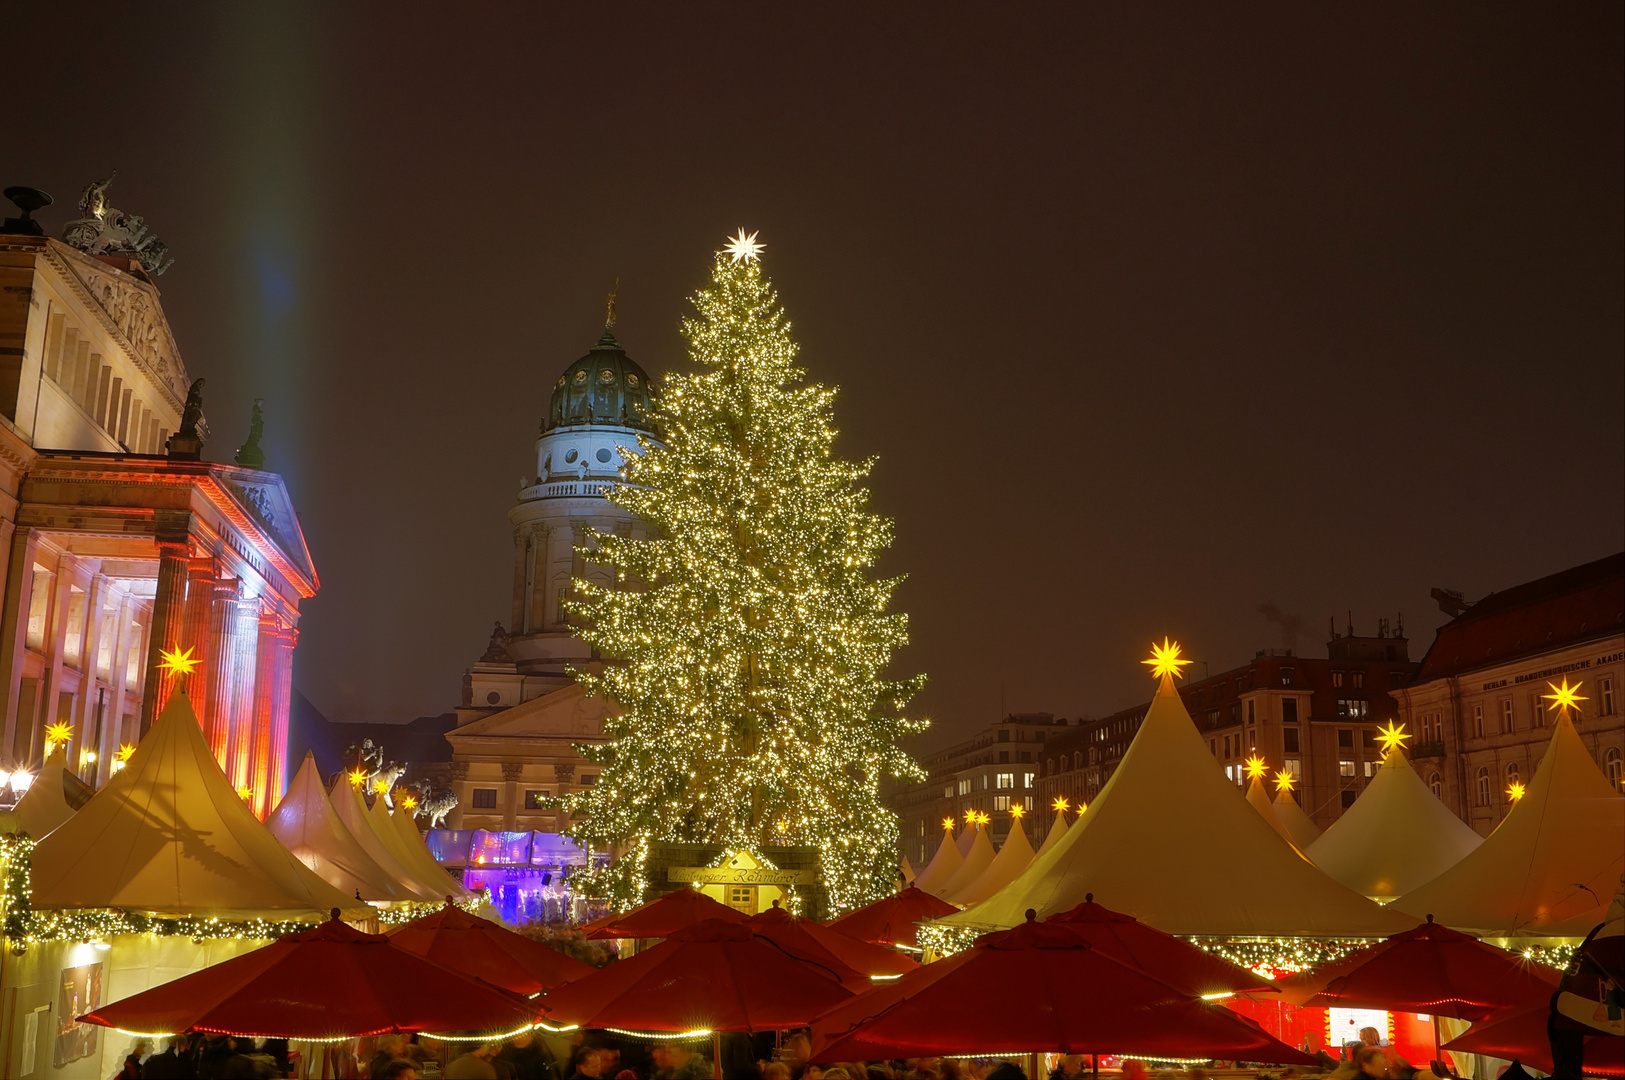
point(1428, 750)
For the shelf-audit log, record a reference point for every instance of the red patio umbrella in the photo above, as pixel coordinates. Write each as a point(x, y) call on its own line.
point(481, 948)
point(714, 976)
point(664, 916)
point(1520, 1034)
point(1433, 969)
point(1162, 956)
point(1037, 989)
point(855, 963)
point(325, 983)
point(892, 921)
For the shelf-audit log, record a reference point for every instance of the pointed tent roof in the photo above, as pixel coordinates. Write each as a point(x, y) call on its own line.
point(1057, 830)
point(1014, 857)
point(1298, 826)
point(906, 870)
point(1168, 815)
point(975, 864)
point(307, 826)
point(967, 838)
point(417, 852)
point(1551, 864)
point(352, 813)
point(1261, 803)
point(943, 865)
point(44, 806)
point(1396, 836)
point(168, 834)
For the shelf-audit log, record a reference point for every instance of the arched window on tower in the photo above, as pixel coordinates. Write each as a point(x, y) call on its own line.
point(1436, 784)
point(1483, 785)
point(1614, 768)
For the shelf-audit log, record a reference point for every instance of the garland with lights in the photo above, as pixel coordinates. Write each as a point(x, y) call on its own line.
point(749, 637)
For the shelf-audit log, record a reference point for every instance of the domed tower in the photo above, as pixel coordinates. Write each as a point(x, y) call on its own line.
point(599, 407)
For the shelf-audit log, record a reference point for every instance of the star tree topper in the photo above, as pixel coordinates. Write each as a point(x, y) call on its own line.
point(1256, 768)
point(1165, 659)
point(1565, 697)
point(1392, 736)
point(1284, 781)
point(744, 248)
point(178, 662)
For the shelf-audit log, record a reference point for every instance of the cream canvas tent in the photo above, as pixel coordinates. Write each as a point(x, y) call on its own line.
point(1261, 803)
point(967, 838)
point(975, 864)
point(1170, 841)
point(906, 871)
point(416, 851)
point(1057, 830)
point(352, 813)
point(1014, 856)
point(1550, 866)
point(1396, 836)
point(44, 806)
point(308, 827)
point(1298, 826)
point(943, 865)
point(169, 835)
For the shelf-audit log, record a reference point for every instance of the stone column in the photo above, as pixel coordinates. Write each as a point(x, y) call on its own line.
point(14, 639)
point(217, 715)
point(268, 789)
point(200, 581)
point(242, 765)
point(168, 614)
point(244, 664)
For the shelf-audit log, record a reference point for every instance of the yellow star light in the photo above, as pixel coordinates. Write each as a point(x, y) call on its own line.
point(1256, 768)
point(381, 786)
point(1285, 781)
point(125, 752)
point(1515, 791)
point(1060, 803)
point(1391, 736)
point(970, 817)
point(982, 819)
point(1082, 806)
point(1565, 697)
point(1165, 659)
point(412, 804)
point(948, 824)
point(176, 662)
point(357, 776)
point(57, 734)
point(245, 793)
point(744, 248)
point(1017, 810)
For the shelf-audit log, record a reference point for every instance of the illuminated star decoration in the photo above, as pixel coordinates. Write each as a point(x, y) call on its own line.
point(1284, 781)
point(1392, 736)
point(1515, 791)
point(948, 824)
point(1060, 803)
point(57, 734)
point(744, 248)
point(1165, 659)
point(176, 662)
point(1017, 810)
point(245, 793)
point(357, 776)
point(381, 786)
point(970, 817)
point(1082, 806)
point(1565, 697)
point(125, 752)
point(412, 804)
point(1256, 769)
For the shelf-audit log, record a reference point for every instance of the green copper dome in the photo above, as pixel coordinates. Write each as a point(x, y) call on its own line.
point(603, 387)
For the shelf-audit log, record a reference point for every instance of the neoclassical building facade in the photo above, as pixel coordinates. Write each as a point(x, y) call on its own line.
point(120, 542)
point(521, 713)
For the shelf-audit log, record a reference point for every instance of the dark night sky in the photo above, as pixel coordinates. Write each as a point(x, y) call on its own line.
point(1152, 317)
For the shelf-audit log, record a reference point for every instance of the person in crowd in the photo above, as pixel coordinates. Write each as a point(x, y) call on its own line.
point(837, 1073)
point(475, 1064)
point(677, 1061)
point(589, 1064)
point(1365, 1063)
point(1006, 1070)
point(1069, 1067)
point(775, 1070)
point(527, 1058)
point(396, 1069)
point(386, 1049)
point(1134, 1069)
point(132, 1061)
point(173, 1064)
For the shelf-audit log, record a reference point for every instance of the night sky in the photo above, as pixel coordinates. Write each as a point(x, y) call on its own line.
point(1153, 318)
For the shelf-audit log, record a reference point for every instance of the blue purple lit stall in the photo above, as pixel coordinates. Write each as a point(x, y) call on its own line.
point(525, 871)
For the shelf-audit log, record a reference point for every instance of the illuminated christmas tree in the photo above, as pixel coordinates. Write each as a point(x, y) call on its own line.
point(748, 638)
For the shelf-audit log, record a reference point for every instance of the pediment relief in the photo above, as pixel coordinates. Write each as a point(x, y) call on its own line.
point(564, 714)
point(271, 508)
point(130, 310)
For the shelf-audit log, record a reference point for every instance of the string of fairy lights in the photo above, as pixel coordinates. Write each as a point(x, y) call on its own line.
point(748, 634)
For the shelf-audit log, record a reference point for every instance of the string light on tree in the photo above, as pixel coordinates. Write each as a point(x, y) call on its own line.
point(748, 634)
point(1392, 736)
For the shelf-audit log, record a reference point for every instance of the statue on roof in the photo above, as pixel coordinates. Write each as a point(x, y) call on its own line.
point(187, 443)
point(496, 652)
point(249, 455)
point(106, 230)
point(609, 305)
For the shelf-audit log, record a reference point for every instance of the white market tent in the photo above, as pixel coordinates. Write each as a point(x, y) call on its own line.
point(1170, 841)
point(1014, 856)
point(44, 806)
point(1551, 864)
point(975, 864)
point(308, 827)
point(905, 871)
point(1261, 802)
point(1396, 836)
point(967, 838)
point(1298, 826)
point(168, 834)
point(943, 865)
point(1057, 830)
point(412, 845)
point(352, 813)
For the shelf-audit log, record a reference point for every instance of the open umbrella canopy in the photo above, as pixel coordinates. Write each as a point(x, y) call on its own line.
point(1433, 969)
point(891, 921)
point(1039, 988)
point(329, 982)
point(1162, 956)
point(479, 947)
point(713, 976)
point(1520, 1035)
point(664, 916)
point(855, 963)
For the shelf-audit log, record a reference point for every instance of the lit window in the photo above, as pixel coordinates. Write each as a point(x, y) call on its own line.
point(1026, 780)
point(1337, 678)
point(534, 799)
point(1345, 767)
point(1001, 802)
point(1506, 716)
point(1370, 769)
point(1294, 766)
point(1612, 767)
point(1537, 712)
point(1352, 708)
point(1006, 781)
point(1359, 679)
point(1478, 722)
